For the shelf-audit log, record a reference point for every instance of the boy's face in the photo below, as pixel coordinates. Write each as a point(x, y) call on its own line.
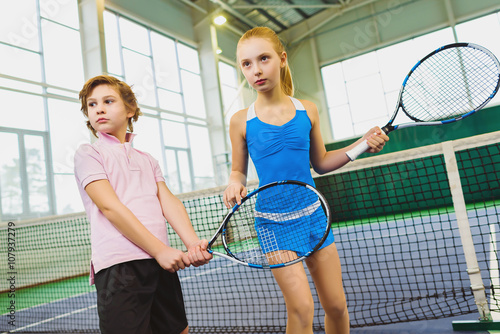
point(107, 112)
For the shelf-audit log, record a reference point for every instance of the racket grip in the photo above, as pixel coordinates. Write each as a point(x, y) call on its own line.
point(355, 152)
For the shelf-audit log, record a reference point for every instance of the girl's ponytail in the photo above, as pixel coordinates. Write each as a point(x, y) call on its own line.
point(286, 80)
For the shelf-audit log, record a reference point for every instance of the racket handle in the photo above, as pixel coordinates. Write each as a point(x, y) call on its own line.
point(361, 148)
point(355, 152)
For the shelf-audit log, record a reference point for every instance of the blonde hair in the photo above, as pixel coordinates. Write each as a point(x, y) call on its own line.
point(270, 35)
point(125, 91)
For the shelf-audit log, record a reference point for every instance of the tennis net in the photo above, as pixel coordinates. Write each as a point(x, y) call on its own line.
point(395, 226)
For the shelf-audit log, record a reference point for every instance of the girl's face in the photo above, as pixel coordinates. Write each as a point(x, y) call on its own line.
point(107, 112)
point(260, 63)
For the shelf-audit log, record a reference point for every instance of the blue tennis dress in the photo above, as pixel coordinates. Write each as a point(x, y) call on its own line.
point(282, 153)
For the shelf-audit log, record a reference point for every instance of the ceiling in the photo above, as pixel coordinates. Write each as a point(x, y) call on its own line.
point(279, 15)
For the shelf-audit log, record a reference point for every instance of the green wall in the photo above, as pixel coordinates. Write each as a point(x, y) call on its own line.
point(169, 15)
point(386, 22)
point(484, 121)
point(418, 186)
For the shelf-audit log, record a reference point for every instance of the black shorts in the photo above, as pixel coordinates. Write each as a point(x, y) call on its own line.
point(139, 297)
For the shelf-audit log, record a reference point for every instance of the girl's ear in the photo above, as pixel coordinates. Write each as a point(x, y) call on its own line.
point(283, 59)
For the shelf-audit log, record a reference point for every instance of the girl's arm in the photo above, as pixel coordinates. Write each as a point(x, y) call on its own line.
point(323, 161)
point(104, 196)
point(176, 215)
point(236, 189)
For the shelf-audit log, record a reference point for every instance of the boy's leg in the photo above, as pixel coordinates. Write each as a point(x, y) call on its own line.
point(124, 298)
point(167, 311)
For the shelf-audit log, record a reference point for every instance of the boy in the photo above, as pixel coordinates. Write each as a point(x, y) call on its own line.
point(127, 201)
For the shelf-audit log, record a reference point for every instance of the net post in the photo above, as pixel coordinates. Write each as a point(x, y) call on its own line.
point(477, 286)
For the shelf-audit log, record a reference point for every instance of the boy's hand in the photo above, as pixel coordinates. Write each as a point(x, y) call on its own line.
point(172, 259)
point(197, 253)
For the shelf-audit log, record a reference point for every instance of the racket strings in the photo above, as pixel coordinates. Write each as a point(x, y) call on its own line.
point(276, 226)
point(241, 237)
point(448, 92)
point(462, 79)
point(449, 84)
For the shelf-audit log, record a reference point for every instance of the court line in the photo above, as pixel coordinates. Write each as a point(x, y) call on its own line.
point(231, 264)
point(52, 319)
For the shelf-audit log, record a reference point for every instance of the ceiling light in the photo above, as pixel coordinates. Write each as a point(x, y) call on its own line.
point(220, 20)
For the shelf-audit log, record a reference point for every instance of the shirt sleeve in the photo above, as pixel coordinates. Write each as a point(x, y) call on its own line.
point(156, 169)
point(88, 165)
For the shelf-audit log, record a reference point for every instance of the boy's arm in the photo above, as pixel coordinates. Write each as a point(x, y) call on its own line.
point(104, 196)
point(176, 215)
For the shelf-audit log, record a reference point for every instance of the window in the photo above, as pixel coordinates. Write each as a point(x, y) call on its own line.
point(24, 179)
point(41, 124)
point(231, 103)
point(165, 75)
point(483, 31)
point(230, 90)
point(362, 92)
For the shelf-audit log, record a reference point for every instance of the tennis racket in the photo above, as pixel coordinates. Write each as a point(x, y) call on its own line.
point(449, 84)
point(276, 225)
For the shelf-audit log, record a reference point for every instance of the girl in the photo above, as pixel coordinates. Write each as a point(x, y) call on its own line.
point(127, 202)
point(282, 136)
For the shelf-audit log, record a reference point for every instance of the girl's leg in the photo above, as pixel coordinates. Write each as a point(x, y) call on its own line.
point(324, 266)
point(294, 285)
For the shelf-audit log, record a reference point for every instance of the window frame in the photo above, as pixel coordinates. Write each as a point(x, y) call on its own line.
point(182, 118)
point(49, 175)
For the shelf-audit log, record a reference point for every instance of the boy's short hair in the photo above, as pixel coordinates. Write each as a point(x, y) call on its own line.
point(125, 91)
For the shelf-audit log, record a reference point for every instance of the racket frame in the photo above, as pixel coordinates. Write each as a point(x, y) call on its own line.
point(221, 231)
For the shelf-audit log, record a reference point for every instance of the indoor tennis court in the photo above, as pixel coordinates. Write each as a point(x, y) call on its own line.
point(417, 226)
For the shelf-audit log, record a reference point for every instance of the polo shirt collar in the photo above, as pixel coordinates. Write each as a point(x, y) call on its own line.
point(109, 139)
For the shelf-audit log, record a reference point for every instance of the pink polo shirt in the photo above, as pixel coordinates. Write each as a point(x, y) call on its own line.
point(133, 175)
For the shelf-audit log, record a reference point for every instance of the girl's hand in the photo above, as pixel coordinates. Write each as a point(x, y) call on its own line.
point(376, 139)
point(233, 194)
